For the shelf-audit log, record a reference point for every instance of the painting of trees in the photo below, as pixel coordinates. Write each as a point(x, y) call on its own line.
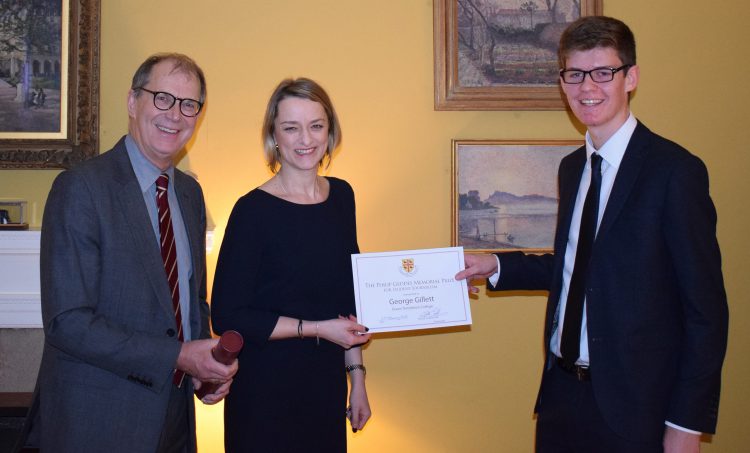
point(30, 64)
point(511, 42)
point(529, 7)
point(501, 54)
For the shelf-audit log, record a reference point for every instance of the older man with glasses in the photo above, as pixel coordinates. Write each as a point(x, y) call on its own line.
point(126, 322)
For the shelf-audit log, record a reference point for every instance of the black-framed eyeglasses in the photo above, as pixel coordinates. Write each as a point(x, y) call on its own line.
point(598, 75)
point(165, 101)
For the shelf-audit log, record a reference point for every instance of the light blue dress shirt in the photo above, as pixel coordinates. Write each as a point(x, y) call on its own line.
point(147, 173)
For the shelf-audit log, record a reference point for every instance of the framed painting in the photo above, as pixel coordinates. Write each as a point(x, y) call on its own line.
point(49, 82)
point(504, 193)
point(501, 54)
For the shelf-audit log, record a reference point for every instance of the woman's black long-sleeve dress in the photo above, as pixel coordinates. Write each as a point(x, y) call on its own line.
point(284, 259)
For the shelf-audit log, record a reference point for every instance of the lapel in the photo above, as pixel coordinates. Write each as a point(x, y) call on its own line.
point(195, 237)
point(130, 198)
point(571, 170)
point(569, 177)
point(188, 213)
point(630, 167)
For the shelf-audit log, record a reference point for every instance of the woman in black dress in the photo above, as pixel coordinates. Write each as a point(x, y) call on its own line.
point(284, 281)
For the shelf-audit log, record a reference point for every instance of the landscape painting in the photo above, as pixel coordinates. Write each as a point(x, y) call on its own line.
point(501, 54)
point(505, 193)
point(32, 68)
point(511, 42)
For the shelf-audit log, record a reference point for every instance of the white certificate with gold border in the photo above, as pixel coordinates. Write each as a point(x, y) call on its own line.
point(410, 289)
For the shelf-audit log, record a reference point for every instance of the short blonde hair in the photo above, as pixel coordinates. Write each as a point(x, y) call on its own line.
point(305, 89)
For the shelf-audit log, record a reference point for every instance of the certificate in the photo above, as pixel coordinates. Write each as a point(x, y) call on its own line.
point(410, 289)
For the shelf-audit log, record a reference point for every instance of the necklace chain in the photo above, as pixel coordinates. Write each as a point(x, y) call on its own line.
point(289, 194)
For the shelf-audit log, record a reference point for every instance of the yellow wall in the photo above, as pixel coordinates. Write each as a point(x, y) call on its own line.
point(469, 391)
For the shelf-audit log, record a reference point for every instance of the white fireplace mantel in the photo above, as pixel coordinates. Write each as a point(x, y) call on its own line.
point(20, 301)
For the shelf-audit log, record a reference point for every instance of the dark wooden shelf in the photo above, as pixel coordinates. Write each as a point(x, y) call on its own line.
point(15, 404)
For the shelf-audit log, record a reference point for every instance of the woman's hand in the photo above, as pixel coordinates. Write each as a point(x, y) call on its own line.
point(345, 332)
point(359, 407)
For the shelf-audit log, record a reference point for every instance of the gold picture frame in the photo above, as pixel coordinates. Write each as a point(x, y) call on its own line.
point(520, 84)
point(504, 193)
point(78, 139)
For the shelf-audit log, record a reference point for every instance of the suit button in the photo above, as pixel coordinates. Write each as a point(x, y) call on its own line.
point(171, 332)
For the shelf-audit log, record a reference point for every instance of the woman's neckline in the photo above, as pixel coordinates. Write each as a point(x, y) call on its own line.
point(323, 201)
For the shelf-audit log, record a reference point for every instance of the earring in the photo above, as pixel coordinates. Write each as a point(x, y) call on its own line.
point(276, 145)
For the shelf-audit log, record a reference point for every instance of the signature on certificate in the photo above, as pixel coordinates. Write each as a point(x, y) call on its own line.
point(430, 313)
point(385, 319)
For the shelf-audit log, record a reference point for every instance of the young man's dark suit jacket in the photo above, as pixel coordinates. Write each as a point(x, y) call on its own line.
point(655, 299)
point(110, 343)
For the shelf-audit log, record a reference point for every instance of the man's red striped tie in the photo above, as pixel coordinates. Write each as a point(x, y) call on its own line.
point(169, 256)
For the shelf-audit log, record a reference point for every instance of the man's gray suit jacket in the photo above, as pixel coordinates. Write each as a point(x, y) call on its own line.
point(110, 343)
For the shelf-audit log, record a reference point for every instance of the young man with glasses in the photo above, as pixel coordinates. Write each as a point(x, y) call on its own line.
point(636, 321)
point(123, 283)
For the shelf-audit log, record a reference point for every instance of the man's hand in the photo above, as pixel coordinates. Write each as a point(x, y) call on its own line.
point(677, 441)
point(212, 398)
point(196, 360)
point(477, 267)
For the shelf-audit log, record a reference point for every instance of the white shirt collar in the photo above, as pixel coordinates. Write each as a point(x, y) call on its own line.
point(613, 149)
